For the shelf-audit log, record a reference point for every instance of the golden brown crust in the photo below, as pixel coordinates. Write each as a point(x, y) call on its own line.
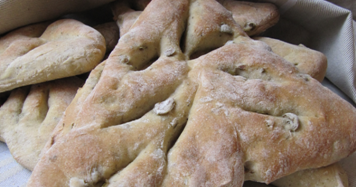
point(204, 34)
point(66, 48)
point(30, 114)
point(253, 17)
point(152, 115)
point(277, 113)
point(306, 60)
point(30, 31)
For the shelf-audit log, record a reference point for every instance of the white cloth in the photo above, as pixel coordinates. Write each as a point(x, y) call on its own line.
point(11, 173)
point(317, 24)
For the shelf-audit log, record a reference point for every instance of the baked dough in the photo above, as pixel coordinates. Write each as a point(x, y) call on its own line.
point(153, 115)
point(306, 60)
point(66, 48)
point(263, 15)
point(28, 32)
point(253, 17)
point(29, 115)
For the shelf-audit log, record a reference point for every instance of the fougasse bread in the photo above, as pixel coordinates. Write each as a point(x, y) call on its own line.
point(29, 32)
point(153, 115)
point(253, 17)
point(29, 115)
point(65, 48)
point(263, 15)
point(307, 60)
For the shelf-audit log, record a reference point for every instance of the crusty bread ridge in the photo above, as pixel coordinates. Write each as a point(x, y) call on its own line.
point(253, 17)
point(30, 114)
point(306, 60)
point(239, 112)
point(66, 48)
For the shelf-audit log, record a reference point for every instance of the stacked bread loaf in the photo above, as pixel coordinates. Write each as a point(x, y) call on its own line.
point(171, 93)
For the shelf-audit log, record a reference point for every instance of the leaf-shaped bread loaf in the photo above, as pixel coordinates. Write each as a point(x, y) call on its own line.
point(253, 17)
point(29, 115)
point(66, 48)
point(264, 15)
point(306, 60)
point(153, 115)
point(24, 33)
